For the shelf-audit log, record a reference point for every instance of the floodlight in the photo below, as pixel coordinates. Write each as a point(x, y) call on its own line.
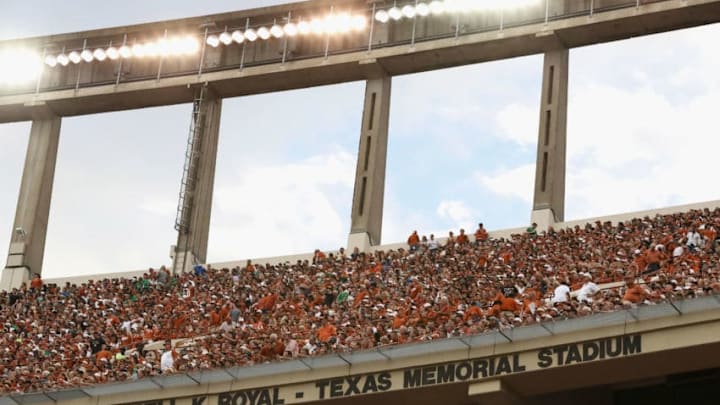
point(138, 50)
point(184, 45)
point(382, 16)
point(317, 26)
point(86, 55)
point(291, 29)
point(51, 61)
point(24, 66)
point(395, 13)
point(408, 11)
point(213, 41)
point(63, 59)
point(276, 31)
point(342, 22)
point(238, 36)
point(251, 35)
point(437, 7)
point(358, 22)
point(304, 27)
point(263, 33)
point(112, 53)
point(225, 38)
point(100, 54)
point(162, 47)
point(422, 9)
point(152, 49)
point(74, 57)
point(125, 51)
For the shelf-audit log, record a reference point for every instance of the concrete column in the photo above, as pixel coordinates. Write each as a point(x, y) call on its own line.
point(549, 201)
point(27, 244)
point(192, 240)
point(367, 208)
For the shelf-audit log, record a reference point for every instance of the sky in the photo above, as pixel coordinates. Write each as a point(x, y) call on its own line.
point(642, 134)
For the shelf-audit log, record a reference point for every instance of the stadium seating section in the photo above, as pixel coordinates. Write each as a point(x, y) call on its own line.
point(108, 330)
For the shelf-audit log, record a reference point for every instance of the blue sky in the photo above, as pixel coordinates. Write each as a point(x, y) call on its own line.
point(642, 133)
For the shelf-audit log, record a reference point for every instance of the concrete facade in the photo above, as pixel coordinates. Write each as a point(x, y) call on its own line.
point(549, 197)
point(192, 243)
point(367, 205)
point(27, 243)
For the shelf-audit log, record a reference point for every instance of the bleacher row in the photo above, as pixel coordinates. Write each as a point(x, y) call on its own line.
point(108, 330)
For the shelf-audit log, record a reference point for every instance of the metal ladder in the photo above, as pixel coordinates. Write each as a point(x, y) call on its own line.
point(189, 177)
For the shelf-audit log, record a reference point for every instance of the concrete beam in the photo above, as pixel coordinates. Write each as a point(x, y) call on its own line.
point(193, 236)
point(396, 59)
point(27, 243)
point(549, 199)
point(494, 392)
point(368, 197)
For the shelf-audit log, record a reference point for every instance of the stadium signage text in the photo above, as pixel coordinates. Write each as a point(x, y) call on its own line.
point(446, 373)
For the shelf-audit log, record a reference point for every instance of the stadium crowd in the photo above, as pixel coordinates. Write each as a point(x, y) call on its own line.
point(56, 337)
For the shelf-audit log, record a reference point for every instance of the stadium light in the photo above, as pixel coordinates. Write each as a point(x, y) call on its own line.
point(99, 54)
point(63, 59)
point(51, 61)
point(238, 36)
point(263, 32)
point(74, 57)
point(291, 29)
point(21, 66)
point(251, 35)
point(277, 31)
point(112, 53)
point(86, 55)
point(304, 27)
point(437, 7)
point(213, 41)
point(225, 38)
point(125, 51)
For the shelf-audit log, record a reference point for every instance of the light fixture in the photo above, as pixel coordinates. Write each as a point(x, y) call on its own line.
point(138, 50)
point(422, 9)
point(395, 13)
point(112, 53)
point(63, 59)
point(100, 54)
point(213, 41)
point(263, 32)
point(359, 22)
point(125, 51)
point(151, 49)
point(437, 7)
point(251, 35)
point(408, 11)
point(291, 29)
point(51, 61)
point(238, 36)
point(225, 38)
point(24, 66)
point(74, 57)
point(317, 26)
point(382, 16)
point(86, 55)
point(277, 31)
point(304, 27)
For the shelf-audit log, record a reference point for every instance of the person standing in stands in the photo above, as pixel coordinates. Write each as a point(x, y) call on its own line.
point(481, 235)
point(413, 241)
point(462, 238)
point(167, 359)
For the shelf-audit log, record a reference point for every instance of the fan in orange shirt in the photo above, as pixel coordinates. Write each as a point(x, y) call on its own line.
point(481, 235)
point(413, 241)
point(326, 331)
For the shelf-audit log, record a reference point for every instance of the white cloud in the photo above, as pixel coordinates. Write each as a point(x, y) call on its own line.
point(457, 212)
point(516, 182)
point(283, 209)
point(519, 123)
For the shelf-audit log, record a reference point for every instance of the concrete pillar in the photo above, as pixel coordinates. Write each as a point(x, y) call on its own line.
point(27, 243)
point(192, 240)
point(367, 207)
point(549, 200)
